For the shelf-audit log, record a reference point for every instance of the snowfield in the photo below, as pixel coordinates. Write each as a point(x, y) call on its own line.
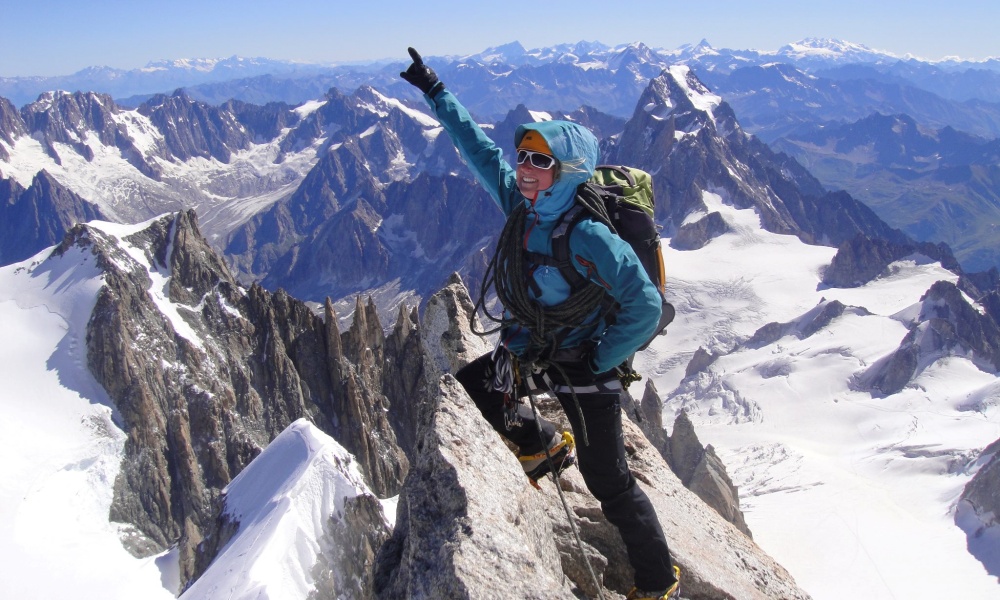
point(61, 448)
point(855, 495)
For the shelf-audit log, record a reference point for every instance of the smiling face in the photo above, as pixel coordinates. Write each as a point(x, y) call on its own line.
point(531, 180)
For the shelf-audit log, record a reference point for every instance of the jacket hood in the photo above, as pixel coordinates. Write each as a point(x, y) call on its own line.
point(577, 151)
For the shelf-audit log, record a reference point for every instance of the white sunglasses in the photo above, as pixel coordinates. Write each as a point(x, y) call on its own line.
point(537, 159)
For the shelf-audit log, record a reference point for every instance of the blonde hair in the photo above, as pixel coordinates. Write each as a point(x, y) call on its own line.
point(573, 165)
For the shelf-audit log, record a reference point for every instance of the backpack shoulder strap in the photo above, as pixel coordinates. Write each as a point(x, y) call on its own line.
point(561, 258)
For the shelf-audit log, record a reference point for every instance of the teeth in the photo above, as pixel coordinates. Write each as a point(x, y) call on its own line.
point(529, 180)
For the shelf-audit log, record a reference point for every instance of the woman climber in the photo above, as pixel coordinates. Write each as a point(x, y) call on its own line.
point(550, 338)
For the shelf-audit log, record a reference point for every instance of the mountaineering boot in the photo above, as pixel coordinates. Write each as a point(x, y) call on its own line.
point(560, 453)
point(670, 592)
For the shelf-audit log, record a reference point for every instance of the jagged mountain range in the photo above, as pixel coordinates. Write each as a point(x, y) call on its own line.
point(236, 161)
point(321, 199)
point(204, 367)
point(261, 80)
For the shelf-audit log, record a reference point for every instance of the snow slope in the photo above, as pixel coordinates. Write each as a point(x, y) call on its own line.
point(855, 495)
point(282, 502)
point(61, 448)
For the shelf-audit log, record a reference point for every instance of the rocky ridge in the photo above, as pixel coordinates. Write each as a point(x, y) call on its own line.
point(979, 506)
point(205, 373)
point(499, 533)
point(947, 325)
point(697, 466)
point(690, 139)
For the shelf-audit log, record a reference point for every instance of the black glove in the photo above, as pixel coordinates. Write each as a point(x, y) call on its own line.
point(421, 76)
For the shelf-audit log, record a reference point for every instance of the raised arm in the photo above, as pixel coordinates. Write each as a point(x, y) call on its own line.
point(481, 153)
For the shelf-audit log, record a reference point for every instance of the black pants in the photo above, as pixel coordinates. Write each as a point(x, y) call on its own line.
point(602, 463)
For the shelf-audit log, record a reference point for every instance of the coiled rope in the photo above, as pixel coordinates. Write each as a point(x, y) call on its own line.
point(507, 274)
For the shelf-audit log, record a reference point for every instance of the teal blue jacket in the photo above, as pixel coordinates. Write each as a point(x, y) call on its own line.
point(599, 255)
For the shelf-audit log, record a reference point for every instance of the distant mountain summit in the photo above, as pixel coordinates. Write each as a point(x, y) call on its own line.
point(163, 76)
point(826, 52)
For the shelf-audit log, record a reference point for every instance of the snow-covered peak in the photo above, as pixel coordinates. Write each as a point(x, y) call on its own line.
point(208, 65)
point(505, 53)
point(193, 64)
point(833, 50)
point(700, 96)
point(283, 503)
point(696, 51)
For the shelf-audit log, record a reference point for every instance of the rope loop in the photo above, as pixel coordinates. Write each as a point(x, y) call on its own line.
point(506, 273)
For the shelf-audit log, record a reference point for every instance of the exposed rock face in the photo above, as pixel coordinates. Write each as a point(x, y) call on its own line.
point(262, 122)
point(812, 321)
point(701, 360)
point(862, 259)
point(204, 374)
point(979, 508)
point(697, 466)
point(355, 539)
point(696, 235)
point(418, 353)
point(72, 119)
point(699, 147)
point(11, 126)
point(469, 525)
point(984, 489)
point(701, 471)
point(404, 380)
point(38, 217)
point(451, 343)
point(947, 325)
point(193, 129)
point(651, 410)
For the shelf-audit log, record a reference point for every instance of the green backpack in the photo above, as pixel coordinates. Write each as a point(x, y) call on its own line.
point(629, 185)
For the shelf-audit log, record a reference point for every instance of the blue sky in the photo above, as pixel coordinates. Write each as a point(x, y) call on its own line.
point(60, 37)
